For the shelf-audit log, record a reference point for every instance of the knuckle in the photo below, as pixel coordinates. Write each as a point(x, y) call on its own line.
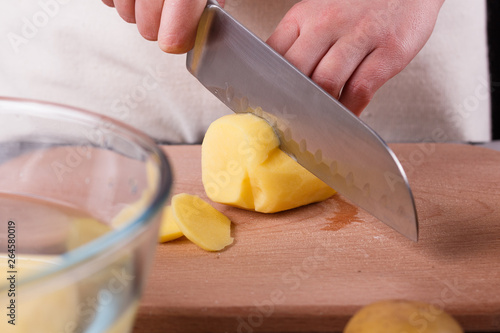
point(290, 21)
point(297, 13)
point(298, 7)
point(394, 44)
point(397, 55)
point(291, 27)
point(323, 23)
point(363, 89)
point(379, 32)
point(330, 83)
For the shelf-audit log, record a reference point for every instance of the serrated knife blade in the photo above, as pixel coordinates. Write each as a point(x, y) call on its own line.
point(314, 128)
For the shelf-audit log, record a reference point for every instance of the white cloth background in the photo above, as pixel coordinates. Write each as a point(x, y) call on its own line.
point(80, 53)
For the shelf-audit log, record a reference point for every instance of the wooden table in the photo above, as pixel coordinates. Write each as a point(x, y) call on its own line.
point(311, 268)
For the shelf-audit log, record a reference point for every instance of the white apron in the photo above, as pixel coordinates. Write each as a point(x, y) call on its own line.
point(79, 52)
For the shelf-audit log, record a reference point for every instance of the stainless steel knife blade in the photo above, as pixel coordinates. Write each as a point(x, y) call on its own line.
point(313, 127)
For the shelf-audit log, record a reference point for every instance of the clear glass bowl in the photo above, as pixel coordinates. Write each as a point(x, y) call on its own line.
point(80, 197)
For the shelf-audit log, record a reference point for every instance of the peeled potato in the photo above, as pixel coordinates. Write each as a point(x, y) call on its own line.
point(243, 166)
point(397, 316)
point(43, 310)
point(169, 230)
point(201, 223)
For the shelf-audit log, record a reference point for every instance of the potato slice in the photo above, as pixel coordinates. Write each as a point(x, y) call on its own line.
point(396, 316)
point(201, 223)
point(169, 230)
point(42, 310)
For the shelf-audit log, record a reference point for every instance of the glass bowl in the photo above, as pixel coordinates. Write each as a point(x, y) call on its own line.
point(80, 202)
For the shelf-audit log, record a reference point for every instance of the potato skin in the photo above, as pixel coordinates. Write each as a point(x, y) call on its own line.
point(402, 316)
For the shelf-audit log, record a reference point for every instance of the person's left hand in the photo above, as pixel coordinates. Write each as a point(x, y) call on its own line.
point(173, 23)
point(351, 48)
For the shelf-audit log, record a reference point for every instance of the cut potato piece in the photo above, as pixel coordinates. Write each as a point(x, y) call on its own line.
point(46, 309)
point(396, 316)
point(243, 166)
point(169, 230)
point(201, 223)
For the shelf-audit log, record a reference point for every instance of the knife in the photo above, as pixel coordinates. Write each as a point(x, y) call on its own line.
point(313, 127)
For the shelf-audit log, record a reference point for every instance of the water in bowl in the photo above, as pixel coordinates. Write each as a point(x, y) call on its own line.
point(37, 233)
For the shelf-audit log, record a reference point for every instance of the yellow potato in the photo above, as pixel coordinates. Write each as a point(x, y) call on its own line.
point(40, 310)
point(169, 230)
point(400, 316)
point(243, 166)
point(84, 230)
point(201, 223)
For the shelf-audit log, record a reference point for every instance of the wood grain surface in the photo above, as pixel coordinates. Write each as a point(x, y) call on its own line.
point(311, 268)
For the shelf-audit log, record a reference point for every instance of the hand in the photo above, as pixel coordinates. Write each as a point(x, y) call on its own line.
point(351, 48)
point(172, 23)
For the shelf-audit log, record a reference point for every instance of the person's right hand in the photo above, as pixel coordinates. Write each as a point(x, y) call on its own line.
point(172, 23)
point(353, 47)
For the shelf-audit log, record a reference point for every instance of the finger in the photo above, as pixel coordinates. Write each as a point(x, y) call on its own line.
point(126, 9)
point(283, 37)
point(108, 3)
point(376, 69)
point(148, 16)
point(339, 63)
point(308, 50)
point(179, 22)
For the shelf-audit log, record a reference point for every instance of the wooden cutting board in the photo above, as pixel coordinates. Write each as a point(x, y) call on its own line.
point(311, 268)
